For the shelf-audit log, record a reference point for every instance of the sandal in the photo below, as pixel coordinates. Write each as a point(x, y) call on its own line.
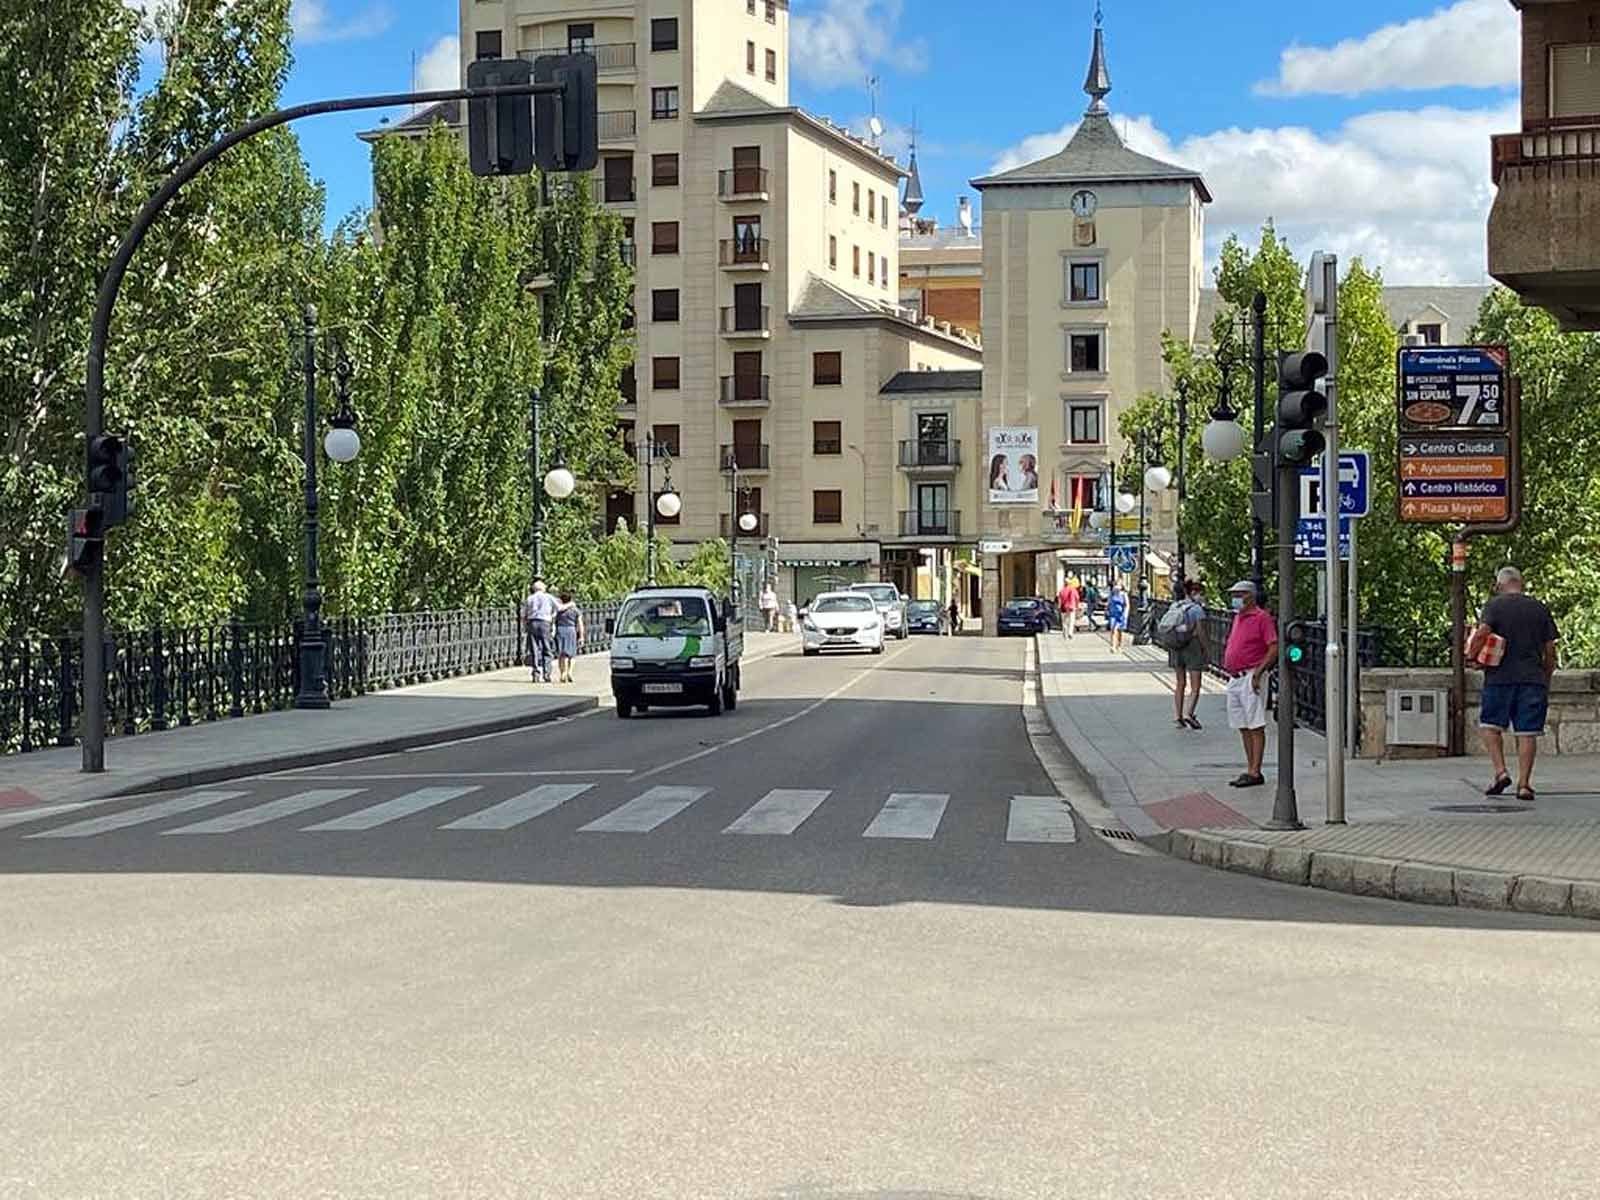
point(1181, 723)
point(1193, 723)
point(1246, 780)
point(1525, 795)
point(1498, 786)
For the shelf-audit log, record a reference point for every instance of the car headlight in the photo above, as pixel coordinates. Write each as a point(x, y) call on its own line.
point(622, 664)
point(809, 625)
point(702, 660)
point(870, 625)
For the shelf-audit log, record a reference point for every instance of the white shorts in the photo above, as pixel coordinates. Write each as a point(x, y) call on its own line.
point(1247, 705)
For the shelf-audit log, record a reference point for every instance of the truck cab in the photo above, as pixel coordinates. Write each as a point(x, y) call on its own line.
point(676, 647)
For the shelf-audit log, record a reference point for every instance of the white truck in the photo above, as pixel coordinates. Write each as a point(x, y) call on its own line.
point(675, 647)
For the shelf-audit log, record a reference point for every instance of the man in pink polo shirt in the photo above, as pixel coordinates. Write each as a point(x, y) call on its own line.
point(1252, 649)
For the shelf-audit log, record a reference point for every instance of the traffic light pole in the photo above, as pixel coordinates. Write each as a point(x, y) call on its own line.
point(1258, 527)
point(94, 623)
point(1333, 660)
point(1285, 805)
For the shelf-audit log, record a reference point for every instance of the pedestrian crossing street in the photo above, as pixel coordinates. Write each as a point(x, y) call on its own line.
point(780, 812)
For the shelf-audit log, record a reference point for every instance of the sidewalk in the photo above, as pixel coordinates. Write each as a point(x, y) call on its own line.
point(380, 723)
point(1417, 830)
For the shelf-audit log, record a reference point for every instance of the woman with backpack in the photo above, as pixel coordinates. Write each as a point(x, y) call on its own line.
point(1182, 632)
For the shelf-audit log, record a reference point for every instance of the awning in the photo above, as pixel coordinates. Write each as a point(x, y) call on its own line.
point(1158, 564)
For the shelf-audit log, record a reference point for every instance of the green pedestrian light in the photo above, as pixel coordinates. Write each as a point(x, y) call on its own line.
point(1296, 643)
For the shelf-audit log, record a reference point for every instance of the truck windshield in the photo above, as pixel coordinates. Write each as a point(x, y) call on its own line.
point(664, 616)
point(883, 593)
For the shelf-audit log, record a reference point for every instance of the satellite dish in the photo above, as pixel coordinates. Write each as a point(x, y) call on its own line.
point(876, 126)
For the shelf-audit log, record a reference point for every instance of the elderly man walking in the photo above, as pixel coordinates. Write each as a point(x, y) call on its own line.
point(1516, 690)
point(1251, 650)
point(538, 617)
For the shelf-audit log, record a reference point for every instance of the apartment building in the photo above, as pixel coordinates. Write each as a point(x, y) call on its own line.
point(941, 266)
point(766, 245)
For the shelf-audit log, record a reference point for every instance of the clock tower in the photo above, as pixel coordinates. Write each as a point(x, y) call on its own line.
point(1089, 256)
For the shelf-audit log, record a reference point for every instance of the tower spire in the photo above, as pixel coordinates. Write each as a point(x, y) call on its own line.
point(912, 204)
point(1098, 82)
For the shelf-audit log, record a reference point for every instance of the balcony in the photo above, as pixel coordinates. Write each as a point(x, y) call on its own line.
point(747, 457)
point(918, 524)
point(763, 523)
point(746, 390)
point(608, 56)
point(743, 183)
point(747, 322)
point(613, 190)
point(745, 254)
point(930, 456)
point(619, 126)
point(1546, 207)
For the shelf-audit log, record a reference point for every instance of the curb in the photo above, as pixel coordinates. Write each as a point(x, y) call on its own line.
point(1387, 878)
point(201, 776)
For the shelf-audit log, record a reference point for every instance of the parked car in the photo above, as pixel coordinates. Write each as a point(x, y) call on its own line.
point(1024, 616)
point(925, 616)
point(891, 605)
point(842, 621)
point(1052, 613)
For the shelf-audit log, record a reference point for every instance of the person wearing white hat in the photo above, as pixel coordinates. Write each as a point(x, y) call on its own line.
point(1252, 649)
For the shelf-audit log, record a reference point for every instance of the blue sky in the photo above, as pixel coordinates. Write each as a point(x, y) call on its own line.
point(1386, 107)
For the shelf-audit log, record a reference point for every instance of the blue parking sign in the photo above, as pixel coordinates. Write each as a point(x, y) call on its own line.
point(1355, 499)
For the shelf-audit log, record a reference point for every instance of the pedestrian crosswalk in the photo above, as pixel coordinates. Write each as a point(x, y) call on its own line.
point(606, 807)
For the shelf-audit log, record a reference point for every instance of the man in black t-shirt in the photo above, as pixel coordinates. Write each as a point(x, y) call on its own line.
point(1516, 691)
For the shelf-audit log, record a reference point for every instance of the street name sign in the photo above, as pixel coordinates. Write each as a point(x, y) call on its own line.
point(994, 547)
point(1455, 436)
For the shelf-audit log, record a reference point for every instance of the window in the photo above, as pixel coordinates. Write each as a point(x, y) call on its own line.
point(1432, 334)
point(855, 261)
point(664, 374)
point(750, 7)
point(747, 382)
point(833, 253)
point(827, 508)
point(827, 368)
point(1086, 353)
point(872, 205)
point(833, 187)
point(827, 437)
point(750, 57)
point(580, 38)
point(1083, 282)
point(488, 43)
point(1083, 424)
point(772, 66)
point(664, 304)
point(664, 33)
point(883, 213)
point(883, 272)
point(664, 104)
point(772, 12)
point(855, 198)
point(664, 170)
point(872, 267)
point(747, 240)
point(628, 386)
point(1575, 79)
point(747, 307)
point(1082, 489)
point(617, 179)
point(663, 237)
point(666, 437)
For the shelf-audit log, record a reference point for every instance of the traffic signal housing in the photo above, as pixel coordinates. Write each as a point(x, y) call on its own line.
point(566, 124)
point(110, 471)
point(500, 131)
point(1300, 403)
point(86, 539)
point(1296, 643)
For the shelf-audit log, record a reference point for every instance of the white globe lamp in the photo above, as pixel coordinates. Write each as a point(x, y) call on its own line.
point(1222, 439)
point(1126, 502)
point(1157, 479)
point(669, 504)
point(342, 443)
point(748, 522)
point(1099, 520)
point(559, 483)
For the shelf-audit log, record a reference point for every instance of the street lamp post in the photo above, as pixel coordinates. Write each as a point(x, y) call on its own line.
point(558, 483)
point(748, 522)
point(669, 504)
point(342, 444)
point(1183, 494)
point(1223, 438)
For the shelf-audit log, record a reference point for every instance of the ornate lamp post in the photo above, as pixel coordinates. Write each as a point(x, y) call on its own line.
point(669, 504)
point(557, 483)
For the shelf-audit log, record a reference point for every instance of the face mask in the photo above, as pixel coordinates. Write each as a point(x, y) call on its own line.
point(1236, 603)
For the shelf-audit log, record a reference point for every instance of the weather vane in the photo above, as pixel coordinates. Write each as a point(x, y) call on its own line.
point(1099, 14)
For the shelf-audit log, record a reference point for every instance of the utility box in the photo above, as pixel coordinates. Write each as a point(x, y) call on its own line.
point(1417, 717)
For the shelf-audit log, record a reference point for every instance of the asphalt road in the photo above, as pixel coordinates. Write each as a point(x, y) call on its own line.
point(834, 945)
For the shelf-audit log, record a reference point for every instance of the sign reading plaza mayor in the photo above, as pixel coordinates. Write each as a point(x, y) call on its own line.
point(1013, 464)
point(1456, 451)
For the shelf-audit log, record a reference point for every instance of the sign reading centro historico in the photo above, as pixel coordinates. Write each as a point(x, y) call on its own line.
point(1456, 436)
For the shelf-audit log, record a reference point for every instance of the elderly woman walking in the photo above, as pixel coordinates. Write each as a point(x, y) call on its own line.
point(569, 635)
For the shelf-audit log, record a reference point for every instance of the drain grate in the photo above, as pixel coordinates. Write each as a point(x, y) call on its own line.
point(1482, 808)
point(1121, 834)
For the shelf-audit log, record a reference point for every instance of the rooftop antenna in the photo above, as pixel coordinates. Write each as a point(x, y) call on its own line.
point(874, 124)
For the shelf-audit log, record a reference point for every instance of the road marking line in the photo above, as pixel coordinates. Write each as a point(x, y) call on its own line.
point(272, 810)
point(1040, 819)
point(780, 811)
point(909, 815)
point(392, 810)
point(138, 816)
point(469, 774)
point(24, 815)
point(647, 810)
point(533, 803)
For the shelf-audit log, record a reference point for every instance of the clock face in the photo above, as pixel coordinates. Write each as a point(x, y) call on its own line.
point(1084, 203)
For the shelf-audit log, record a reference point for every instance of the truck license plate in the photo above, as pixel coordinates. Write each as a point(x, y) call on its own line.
point(663, 689)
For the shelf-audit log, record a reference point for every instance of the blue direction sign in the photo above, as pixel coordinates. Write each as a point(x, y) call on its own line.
point(1123, 557)
point(1355, 498)
point(1311, 539)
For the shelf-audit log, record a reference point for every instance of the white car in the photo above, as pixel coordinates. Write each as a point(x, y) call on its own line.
point(842, 621)
point(891, 606)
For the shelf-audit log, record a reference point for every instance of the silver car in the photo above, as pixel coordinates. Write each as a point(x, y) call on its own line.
point(890, 603)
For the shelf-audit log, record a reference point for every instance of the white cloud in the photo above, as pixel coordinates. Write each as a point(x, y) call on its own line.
point(846, 39)
point(1473, 43)
point(1408, 191)
point(439, 68)
point(313, 22)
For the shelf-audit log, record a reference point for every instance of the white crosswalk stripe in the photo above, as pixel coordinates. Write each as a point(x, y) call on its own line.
point(391, 810)
point(1040, 819)
point(647, 810)
point(532, 803)
point(909, 815)
point(272, 810)
point(780, 811)
point(137, 816)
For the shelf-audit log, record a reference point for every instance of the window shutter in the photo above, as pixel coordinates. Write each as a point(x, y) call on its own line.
point(1575, 81)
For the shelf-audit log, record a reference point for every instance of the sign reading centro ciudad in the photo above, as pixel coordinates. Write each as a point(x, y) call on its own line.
point(1457, 429)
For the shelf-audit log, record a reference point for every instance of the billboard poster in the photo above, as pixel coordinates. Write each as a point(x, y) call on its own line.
point(1013, 464)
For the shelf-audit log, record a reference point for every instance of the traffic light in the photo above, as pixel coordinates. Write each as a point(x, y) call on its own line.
point(110, 467)
point(1296, 643)
point(566, 124)
point(86, 539)
point(1299, 406)
point(500, 131)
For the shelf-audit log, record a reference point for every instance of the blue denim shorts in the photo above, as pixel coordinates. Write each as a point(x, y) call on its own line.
point(1520, 707)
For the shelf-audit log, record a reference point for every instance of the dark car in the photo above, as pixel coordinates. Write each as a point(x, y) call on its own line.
point(1052, 614)
point(925, 616)
point(1024, 617)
